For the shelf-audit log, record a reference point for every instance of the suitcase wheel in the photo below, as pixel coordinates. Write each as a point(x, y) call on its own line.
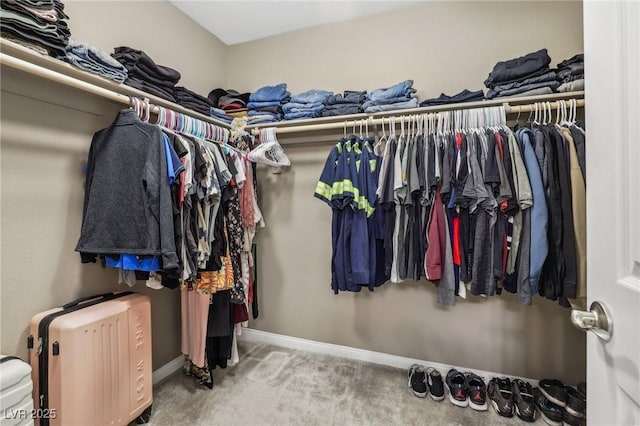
point(145, 416)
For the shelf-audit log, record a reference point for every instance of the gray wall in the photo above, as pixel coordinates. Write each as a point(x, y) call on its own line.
point(46, 133)
point(444, 46)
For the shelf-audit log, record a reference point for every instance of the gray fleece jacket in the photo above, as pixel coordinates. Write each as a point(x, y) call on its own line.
point(127, 204)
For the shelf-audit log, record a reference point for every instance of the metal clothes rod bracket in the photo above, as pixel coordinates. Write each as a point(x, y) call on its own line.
point(37, 70)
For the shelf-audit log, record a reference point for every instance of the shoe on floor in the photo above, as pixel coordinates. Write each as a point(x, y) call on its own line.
point(477, 392)
point(418, 380)
point(457, 384)
point(576, 404)
point(523, 400)
point(550, 413)
point(435, 384)
point(500, 393)
point(571, 420)
point(554, 391)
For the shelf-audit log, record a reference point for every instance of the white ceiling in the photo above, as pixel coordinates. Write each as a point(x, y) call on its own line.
point(240, 21)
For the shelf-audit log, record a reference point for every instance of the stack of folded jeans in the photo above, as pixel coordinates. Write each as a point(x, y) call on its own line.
point(348, 103)
point(307, 104)
point(464, 96)
point(265, 104)
point(146, 75)
point(399, 96)
point(37, 24)
point(571, 74)
point(92, 60)
point(220, 114)
point(524, 76)
point(192, 100)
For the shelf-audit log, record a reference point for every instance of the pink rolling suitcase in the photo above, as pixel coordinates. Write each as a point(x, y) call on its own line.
point(91, 361)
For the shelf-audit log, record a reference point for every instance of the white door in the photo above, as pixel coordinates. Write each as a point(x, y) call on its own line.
point(612, 70)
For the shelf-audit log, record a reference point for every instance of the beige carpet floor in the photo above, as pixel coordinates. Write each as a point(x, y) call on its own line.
point(279, 386)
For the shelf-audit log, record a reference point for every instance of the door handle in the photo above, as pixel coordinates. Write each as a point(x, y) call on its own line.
point(596, 319)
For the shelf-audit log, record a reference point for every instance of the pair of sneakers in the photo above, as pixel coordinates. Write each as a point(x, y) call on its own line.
point(425, 382)
point(508, 396)
point(467, 389)
point(560, 404)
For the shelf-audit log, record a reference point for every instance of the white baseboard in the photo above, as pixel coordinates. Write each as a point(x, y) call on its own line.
point(168, 369)
point(358, 354)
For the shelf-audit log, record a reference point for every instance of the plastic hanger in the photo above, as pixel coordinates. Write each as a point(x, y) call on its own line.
point(269, 151)
point(393, 130)
point(147, 109)
point(159, 117)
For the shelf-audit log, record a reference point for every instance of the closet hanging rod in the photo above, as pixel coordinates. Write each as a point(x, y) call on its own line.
point(93, 89)
point(509, 109)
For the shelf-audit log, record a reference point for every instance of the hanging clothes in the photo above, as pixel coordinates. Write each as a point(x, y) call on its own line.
point(348, 184)
point(480, 210)
point(179, 211)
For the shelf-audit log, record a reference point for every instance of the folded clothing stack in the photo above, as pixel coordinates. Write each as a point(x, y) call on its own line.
point(307, 104)
point(90, 59)
point(348, 103)
point(146, 75)
point(265, 104)
point(399, 96)
point(220, 114)
point(225, 101)
point(193, 101)
point(524, 76)
point(229, 100)
point(571, 74)
point(39, 25)
point(464, 96)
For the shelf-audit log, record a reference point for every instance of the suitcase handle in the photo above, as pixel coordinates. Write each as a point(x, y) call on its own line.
point(85, 299)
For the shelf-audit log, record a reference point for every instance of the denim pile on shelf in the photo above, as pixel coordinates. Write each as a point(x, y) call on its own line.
point(344, 104)
point(524, 76)
point(220, 114)
point(90, 59)
point(265, 104)
point(146, 75)
point(399, 96)
point(39, 25)
point(571, 74)
point(464, 96)
point(307, 104)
